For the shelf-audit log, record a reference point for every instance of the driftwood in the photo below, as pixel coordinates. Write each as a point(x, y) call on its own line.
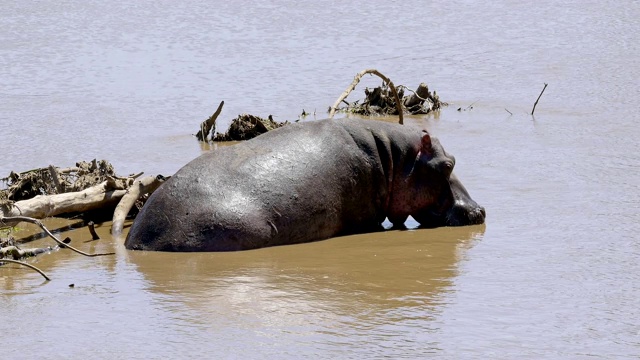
point(140, 187)
point(52, 180)
point(355, 82)
point(107, 193)
point(208, 127)
point(16, 253)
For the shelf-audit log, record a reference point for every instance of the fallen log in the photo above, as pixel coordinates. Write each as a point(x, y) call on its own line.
point(140, 187)
point(42, 206)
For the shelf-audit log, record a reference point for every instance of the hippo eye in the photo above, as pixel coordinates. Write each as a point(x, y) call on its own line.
point(447, 167)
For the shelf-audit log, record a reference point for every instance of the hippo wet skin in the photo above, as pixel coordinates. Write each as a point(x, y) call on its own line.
point(305, 182)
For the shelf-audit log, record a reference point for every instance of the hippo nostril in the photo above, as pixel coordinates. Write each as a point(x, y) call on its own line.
point(482, 211)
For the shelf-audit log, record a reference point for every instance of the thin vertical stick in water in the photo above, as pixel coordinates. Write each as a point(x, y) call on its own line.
point(536, 103)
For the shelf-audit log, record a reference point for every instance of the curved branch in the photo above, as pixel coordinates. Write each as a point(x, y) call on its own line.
point(39, 223)
point(140, 187)
point(27, 265)
point(355, 82)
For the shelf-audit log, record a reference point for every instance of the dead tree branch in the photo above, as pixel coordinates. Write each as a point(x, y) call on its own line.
point(355, 82)
point(15, 219)
point(27, 265)
point(146, 185)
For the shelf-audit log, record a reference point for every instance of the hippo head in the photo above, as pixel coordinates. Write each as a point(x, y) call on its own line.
point(438, 196)
point(454, 207)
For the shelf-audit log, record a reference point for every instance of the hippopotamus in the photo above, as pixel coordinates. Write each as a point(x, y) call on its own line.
point(305, 182)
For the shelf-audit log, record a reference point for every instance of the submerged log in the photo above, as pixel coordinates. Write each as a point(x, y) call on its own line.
point(16, 253)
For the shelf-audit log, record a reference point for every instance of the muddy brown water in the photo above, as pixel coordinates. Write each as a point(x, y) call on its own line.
point(554, 272)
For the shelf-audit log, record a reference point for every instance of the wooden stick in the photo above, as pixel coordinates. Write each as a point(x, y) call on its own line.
point(355, 82)
point(536, 103)
point(39, 223)
point(27, 265)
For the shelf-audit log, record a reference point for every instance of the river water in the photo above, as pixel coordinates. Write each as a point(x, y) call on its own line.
point(554, 272)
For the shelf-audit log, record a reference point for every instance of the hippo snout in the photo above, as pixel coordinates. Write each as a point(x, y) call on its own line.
point(464, 213)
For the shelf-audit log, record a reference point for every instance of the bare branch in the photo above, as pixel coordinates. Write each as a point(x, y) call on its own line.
point(355, 82)
point(146, 185)
point(39, 223)
point(27, 265)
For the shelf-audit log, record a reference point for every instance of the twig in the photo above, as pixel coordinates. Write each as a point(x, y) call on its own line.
point(60, 242)
point(413, 91)
point(536, 103)
point(27, 265)
point(355, 82)
point(508, 111)
point(469, 107)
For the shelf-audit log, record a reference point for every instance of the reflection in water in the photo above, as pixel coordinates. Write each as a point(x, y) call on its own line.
point(359, 288)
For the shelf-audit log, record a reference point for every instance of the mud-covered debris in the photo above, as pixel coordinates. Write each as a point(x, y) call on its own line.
point(52, 180)
point(380, 101)
point(247, 126)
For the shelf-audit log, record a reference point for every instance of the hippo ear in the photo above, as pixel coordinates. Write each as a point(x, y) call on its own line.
point(426, 145)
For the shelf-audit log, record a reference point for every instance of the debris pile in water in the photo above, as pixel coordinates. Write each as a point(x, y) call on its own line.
point(247, 126)
point(380, 101)
point(52, 180)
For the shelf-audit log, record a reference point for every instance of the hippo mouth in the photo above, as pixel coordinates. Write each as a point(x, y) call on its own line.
point(460, 214)
point(463, 214)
